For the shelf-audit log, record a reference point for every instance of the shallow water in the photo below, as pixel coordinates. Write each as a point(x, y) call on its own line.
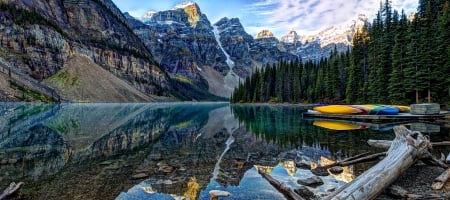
point(165, 151)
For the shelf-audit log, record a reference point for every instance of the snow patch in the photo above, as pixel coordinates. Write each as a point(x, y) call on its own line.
point(229, 62)
point(183, 5)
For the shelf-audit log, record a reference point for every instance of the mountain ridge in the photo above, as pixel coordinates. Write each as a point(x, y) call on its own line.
point(38, 37)
point(175, 53)
point(186, 43)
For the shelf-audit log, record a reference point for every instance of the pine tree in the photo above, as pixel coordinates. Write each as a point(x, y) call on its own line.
point(256, 85)
point(371, 84)
point(357, 68)
point(442, 56)
point(414, 73)
point(396, 77)
point(297, 82)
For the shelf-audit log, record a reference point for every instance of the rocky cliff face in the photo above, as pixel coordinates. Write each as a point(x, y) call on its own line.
point(181, 40)
point(267, 49)
point(236, 42)
point(188, 46)
point(38, 37)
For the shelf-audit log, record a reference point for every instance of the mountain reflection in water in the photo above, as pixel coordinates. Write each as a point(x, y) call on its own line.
point(157, 151)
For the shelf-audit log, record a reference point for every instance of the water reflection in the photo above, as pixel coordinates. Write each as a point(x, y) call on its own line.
point(157, 151)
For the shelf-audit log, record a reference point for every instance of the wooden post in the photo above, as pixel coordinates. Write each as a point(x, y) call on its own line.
point(405, 150)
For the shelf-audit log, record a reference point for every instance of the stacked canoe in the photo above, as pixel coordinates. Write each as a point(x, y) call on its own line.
point(368, 109)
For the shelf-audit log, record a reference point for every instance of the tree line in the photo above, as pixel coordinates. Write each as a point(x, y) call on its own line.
point(394, 60)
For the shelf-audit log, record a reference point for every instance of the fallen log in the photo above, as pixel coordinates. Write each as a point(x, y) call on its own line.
point(363, 159)
point(443, 143)
point(440, 181)
point(405, 150)
point(11, 191)
point(288, 192)
point(353, 160)
point(430, 160)
point(356, 157)
point(382, 144)
point(400, 193)
point(385, 144)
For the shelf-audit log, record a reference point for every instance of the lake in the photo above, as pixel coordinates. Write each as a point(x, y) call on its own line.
point(170, 150)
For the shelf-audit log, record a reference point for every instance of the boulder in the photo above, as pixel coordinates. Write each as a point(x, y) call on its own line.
point(312, 181)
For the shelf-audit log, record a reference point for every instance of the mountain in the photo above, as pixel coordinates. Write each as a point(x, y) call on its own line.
point(176, 53)
point(190, 48)
point(40, 38)
point(319, 45)
point(291, 37)
point(84, 85)
point(182, 41)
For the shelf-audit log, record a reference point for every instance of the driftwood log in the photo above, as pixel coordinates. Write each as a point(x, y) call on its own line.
point(407, 147)
point(440, 181)
point(355, 160)
point(429, 159)
point(11, 191)
point(288, 192)
point(384, 144)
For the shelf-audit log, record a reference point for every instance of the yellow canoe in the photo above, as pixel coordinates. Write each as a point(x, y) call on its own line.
point(340, 126)
point(337, 109)
point(403, 108)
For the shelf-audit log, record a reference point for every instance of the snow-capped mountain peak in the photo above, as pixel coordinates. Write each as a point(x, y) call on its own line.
point(183, 4)
point(291, 37)
point(148, 14)
point(342, 33)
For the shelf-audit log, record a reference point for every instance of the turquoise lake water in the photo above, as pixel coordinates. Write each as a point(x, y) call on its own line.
point(166, 151)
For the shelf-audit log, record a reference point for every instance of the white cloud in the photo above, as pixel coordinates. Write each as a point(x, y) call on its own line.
point(309, 16)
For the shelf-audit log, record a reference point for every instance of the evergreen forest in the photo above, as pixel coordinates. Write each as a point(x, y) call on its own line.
point(397, 59)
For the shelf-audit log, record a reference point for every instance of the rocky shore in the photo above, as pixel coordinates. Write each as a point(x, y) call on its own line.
point(416, 180)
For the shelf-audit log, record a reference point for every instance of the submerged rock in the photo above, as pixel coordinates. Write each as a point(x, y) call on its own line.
point(303, 164)
point(336, 170)
point(140, 176)
point(320, 171)
point(304, 192)
point(312, 182)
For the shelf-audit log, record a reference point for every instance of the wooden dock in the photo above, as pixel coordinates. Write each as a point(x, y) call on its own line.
point(377, 118)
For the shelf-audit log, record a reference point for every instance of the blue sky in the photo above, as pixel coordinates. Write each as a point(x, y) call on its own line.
point(304, 16)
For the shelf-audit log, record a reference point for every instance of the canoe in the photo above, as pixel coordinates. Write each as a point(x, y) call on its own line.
point(337, 109)
point(373, 109)
point(364, 109)
point(368, 109)
point(403, 108)
point(340, 126)
point(384, 110)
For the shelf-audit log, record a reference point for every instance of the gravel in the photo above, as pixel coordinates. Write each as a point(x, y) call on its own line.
point(416, 180)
